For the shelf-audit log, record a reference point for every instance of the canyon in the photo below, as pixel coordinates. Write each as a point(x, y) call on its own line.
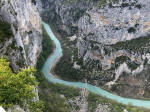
point(104, 42)
point(110, 36)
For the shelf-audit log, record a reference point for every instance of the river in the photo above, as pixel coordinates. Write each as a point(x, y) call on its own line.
point(58, 52)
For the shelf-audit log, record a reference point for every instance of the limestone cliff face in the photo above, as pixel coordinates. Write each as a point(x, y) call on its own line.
point(113, 23)
point(100, 27)
point(25, 23)
point(117, 22)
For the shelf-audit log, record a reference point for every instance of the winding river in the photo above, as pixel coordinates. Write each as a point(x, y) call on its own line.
point(52, 60)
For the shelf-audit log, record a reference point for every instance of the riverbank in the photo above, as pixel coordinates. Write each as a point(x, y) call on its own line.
point(53, 67)
point(51, 94)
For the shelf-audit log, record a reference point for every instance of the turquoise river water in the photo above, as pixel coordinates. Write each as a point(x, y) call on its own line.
point(58, 52)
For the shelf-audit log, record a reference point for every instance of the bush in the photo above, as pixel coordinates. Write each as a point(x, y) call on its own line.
point(5, 31)
point(137, 45)
point(37, 106)
point(15, 88)
point(47, 48)
point(131, 30)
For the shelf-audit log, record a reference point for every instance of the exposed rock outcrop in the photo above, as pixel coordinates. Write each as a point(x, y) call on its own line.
point(100, 27)
point(26, 26)
point(24, 45)
point(111, 24)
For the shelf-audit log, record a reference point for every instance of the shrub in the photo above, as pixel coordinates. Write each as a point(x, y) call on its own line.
point(15, 88)
point(5, 31)
point(131, 30)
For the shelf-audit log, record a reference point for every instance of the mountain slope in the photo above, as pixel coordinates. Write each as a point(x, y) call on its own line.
point(25, 23)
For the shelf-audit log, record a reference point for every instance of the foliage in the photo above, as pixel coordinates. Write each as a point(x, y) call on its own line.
point(67, 71)
point(48, 92)
point(47, 48)
point(131, 30)
point(94, 100)
point(132, 65)
point(137, 45)
point(55, 95)
point(15, 88)
point(37, 106)
point(34, 2)
point(5, 31)
point(96, 2)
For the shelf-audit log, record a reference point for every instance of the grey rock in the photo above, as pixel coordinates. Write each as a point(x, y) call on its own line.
point(27, 30)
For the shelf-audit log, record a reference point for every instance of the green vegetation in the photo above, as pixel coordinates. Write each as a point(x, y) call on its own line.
point(94, 100)
point(67, 71)
point(139, 6)
point(47, 49)
point(122, 59)
point(69, 1)
point(37, 106)
point(33, 1)
point(131, 30)
point(137, 45)
point(125, 5)
point(5, 31)
point(55, 95)
point(77, 14)
point(96, 2)
point(16, 88)
point(48, 92)
point(91, 71)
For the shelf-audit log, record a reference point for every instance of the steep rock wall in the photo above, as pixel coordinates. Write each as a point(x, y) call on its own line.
point(26, 26)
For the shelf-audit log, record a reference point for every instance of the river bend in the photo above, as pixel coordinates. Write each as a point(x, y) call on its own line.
point(58, 52)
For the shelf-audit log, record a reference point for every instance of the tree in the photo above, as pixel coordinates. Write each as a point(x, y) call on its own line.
point(15, 88)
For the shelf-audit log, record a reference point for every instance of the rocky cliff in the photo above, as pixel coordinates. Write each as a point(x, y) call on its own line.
point(20, 35)
point(112, 38)
point(24, 45)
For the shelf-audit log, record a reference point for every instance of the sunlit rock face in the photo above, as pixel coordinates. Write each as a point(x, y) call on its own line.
point(117, 22)
point(27, 31)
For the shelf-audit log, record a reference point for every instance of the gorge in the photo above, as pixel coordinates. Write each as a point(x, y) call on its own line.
point(55, 56)
point(99, 61)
